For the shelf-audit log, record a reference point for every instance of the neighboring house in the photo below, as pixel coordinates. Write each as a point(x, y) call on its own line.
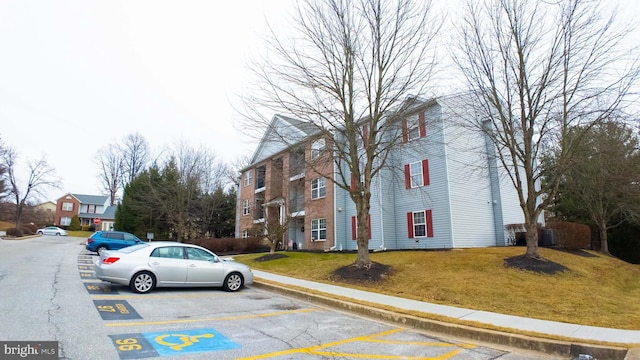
point(441, 188)
point(46, 212)
point(48, 206)
point(91, 209)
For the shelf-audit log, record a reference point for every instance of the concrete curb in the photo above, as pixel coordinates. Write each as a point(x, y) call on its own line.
point(547, 346)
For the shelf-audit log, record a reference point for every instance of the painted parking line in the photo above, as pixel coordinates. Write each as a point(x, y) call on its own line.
point(115, 310)
point(184, 321)
point(100, 288)
point(448, 350)
point(177, 342)
point(85, 267)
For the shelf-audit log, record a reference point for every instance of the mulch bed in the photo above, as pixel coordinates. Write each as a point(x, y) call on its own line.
point(375, 272)
point(541, 266)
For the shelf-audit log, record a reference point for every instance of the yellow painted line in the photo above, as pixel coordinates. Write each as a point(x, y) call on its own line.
point(181, 321)
point(312, 349)
point(317, 350)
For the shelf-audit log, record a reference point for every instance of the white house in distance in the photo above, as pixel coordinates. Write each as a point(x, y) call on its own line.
point(442, 187)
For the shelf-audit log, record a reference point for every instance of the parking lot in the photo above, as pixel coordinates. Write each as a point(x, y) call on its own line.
point(93, 319)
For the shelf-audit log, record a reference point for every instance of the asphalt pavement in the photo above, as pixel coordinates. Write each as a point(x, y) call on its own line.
point(573, 340)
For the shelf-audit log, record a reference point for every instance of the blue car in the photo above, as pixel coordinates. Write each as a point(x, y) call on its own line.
point(100, 241)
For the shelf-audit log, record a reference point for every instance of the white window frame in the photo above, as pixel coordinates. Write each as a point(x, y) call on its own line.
point(318, 226)
point(318, 188)
point(416, 174)
point(417, 225)
point(318, 147)
point(65, 221)
point(247, 178)
point(413, 127)
point(246, 207)
point(67, 206)
point(245, 234)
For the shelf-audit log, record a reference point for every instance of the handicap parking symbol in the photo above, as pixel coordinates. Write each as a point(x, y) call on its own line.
point(188, 341)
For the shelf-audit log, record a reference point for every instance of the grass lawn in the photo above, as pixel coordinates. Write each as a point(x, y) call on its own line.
point(597, 290)
point(4, 225)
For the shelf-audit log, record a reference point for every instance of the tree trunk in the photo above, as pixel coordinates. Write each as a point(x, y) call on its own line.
point(532, 240)
point(363, 236)
point(604, 242)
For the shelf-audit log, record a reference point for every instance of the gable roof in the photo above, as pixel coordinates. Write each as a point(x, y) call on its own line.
point(281, 128)
point(91, 199)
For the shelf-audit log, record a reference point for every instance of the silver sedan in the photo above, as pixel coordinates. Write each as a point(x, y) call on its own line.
point(52, 230)
point(170, 264)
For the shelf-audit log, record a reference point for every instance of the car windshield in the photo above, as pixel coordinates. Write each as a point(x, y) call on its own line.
point(130, 249)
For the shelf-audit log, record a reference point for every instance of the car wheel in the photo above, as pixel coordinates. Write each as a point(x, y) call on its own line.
point(233, 282)
point(143, 282)
point(57, 234)
point(101, 249)
point(40, 233)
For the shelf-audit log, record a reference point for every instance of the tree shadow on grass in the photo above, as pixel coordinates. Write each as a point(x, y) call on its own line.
point(270, 257)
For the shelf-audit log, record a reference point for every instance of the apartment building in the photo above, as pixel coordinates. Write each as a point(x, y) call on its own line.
point(441, 186)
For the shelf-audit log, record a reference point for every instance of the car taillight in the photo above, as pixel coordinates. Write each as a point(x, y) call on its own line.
point(90, 240)
point(110, 260)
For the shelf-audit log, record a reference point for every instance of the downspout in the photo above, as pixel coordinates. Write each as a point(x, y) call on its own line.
point(238, 197)
point(335, 211)
point(382, 247)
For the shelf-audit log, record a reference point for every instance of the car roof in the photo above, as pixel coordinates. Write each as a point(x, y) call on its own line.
point(171, 243)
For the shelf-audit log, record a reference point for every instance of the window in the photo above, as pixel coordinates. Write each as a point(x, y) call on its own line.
point(416, 174)
point(413, 127)
point(65, 221)
point(67, 206)
point(199, 254)
point(318, 230)
point(317, 148)
point(245, 234)
point(420, 224)
point(246, 207)
point(247, 178)
point(354, 227)
point(318, 188)
point(172, 252)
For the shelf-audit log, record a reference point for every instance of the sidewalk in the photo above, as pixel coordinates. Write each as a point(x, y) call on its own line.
point(573, 331)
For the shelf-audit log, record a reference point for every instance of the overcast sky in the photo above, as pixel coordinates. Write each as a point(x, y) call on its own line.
point(78, 75)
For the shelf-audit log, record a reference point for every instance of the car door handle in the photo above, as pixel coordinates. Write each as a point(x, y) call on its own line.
point(155, 263)
point(193, 265)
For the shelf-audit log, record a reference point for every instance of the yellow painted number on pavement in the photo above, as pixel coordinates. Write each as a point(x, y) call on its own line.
point(128, 344)
point(106, 308)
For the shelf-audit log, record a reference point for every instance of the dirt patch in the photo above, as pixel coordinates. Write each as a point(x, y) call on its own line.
point(542, 266)
point(375, 272)
point(270, 257)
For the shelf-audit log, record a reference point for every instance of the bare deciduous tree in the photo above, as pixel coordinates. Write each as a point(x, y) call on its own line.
point(348, 67)
point(538, 69)
point(135, 156)
point(110, 162)
point(121, 162)
point(40, 177)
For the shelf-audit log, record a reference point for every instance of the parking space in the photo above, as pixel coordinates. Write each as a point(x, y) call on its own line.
point(250, 324)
